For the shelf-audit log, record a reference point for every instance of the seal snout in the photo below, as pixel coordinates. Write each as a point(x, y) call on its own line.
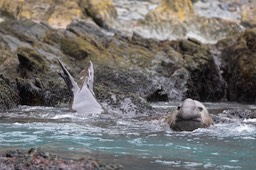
point(190, 115)
point(188, 111)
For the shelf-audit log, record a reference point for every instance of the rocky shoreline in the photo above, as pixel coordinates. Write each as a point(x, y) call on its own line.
point(132, 69)
point(36, 158)
point(144, 70)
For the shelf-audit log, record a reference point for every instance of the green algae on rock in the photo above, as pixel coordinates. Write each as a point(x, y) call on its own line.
point(31, 60)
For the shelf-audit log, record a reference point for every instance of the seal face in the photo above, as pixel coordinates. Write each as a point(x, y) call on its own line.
point(84, 100)
point(190, 115)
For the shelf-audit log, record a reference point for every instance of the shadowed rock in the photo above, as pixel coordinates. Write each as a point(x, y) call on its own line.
point(239, 67)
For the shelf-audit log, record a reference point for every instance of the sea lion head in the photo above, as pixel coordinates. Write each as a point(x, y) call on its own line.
point(188, 116)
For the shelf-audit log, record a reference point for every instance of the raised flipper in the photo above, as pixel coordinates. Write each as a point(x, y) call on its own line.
point(69, 80)
point(84, 100)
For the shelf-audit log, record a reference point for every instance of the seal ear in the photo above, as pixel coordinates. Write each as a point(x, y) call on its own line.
point(178, 107)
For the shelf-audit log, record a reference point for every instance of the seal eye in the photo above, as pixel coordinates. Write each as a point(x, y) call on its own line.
point(178, 108)
point(200, 109)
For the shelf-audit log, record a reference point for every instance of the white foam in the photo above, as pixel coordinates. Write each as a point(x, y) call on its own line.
point(250, 121)
point(64, 116)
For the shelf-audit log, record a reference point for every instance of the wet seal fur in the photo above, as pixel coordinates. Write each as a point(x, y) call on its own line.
point(84, 100)
point(188, 116)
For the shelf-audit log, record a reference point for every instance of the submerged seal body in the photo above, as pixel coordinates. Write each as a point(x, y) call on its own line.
point(188, 116)
point(84, 100)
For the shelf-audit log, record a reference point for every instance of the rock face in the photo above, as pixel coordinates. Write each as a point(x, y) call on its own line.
point(61, 13)
point(103, 13)
point(8, 96)
point(173, 19)
point(172, 10)
point(248, 14)
point(240, 67)
point(25, 66)
point(129, 70)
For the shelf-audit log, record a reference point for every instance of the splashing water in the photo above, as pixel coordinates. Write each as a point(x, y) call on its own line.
point(135, 142)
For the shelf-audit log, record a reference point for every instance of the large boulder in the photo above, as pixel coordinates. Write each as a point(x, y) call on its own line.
point(103, 13)
point(27, 66)
point(240, 67)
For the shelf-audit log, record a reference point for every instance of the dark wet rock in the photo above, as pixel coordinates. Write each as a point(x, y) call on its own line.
point(31, 93)
point(239, 67)
point(8, 96)
point(236, 115)
point(204, 81)
point(120, 103)
point(36, 158)
point(30, 61)
point(241, 114)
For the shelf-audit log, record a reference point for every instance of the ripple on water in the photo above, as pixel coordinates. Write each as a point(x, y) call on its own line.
point(229, 130)
point(220, 146)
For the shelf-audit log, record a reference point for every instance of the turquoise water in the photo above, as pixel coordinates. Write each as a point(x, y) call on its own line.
point(137, 143)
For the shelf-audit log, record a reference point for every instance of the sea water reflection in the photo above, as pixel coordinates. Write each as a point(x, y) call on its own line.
point(138, 143)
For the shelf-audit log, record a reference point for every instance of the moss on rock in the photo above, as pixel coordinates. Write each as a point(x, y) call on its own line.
point(77, 47)
point(30, 60)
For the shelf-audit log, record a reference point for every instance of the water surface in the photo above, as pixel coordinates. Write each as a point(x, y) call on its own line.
point(138, 143)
